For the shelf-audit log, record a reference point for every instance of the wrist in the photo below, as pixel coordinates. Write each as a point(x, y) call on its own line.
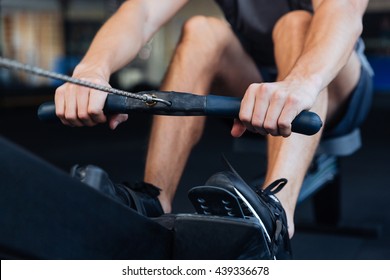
point(85, 68)
point(314, 82)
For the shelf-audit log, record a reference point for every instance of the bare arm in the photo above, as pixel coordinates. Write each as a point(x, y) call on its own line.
point(335, 28)
point(329, 42)
point(116, 43)
point(123, 35)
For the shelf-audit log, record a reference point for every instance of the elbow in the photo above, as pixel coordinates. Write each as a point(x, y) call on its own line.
point(354, 16)
point(356, 26)
point(357, 9)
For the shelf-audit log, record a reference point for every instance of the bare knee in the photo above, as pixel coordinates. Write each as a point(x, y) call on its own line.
point(292, 24)
point(205, 32)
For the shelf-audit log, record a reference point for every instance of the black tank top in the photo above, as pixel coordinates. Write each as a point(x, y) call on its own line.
point(253, 22)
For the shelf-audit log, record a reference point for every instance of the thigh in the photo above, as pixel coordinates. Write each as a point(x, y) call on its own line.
point(209, 57)
point(236, 70)
point(350, 95)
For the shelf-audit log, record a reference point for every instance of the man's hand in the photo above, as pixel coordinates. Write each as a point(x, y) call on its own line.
point(270, 108)
point(82, 106)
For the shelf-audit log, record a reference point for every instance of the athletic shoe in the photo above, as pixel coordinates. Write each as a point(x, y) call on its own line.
point(227, 194)
point(141, 196)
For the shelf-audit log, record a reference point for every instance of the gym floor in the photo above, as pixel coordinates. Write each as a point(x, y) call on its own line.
point(365, 177)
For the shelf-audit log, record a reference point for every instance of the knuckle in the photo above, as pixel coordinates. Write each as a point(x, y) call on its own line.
point(264, 93)
point(70, 116)
point(60, 90)
point(264, 87)
point(94, 111)
point(284, 124)
point(285, 134)
point(83, 116)
point(98, 81)
point(270, 127)
point(278, 96)
point(293, 100)
point(257, 123)
point(60, 113)
point(245, 117)
point(253, 87)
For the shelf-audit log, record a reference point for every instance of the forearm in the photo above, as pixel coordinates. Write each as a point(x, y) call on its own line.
point(116, 43)
point(334, 30)
point(120, 39)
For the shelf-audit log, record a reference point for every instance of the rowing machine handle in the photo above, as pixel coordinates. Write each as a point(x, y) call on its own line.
point(306, 122)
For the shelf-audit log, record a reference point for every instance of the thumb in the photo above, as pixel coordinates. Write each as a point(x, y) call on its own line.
point(238, 128)
point(115, 120)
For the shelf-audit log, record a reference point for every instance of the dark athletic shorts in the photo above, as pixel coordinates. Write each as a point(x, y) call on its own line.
point(359, 103)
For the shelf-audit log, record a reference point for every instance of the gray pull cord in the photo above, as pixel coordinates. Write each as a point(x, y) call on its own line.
point(150, 100)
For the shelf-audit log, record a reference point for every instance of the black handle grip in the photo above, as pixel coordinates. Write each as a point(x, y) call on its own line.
point(47, 111)
point(306, 122)
point(185, 104)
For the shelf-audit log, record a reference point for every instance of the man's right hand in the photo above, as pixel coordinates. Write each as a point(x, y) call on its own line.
point(82, 106)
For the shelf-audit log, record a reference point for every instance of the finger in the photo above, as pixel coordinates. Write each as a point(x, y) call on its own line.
point(273, 113)
point(287, 116)
point(59, 101)
point(260, 111)
point(71, 105)
point(115, 120)
point(238, 128)
point(96, 106)
point(83, 97)
point(247, 106)
point(284, 122)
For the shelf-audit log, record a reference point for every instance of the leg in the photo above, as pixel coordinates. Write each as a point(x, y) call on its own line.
point(207, 50)
point(290, 157)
